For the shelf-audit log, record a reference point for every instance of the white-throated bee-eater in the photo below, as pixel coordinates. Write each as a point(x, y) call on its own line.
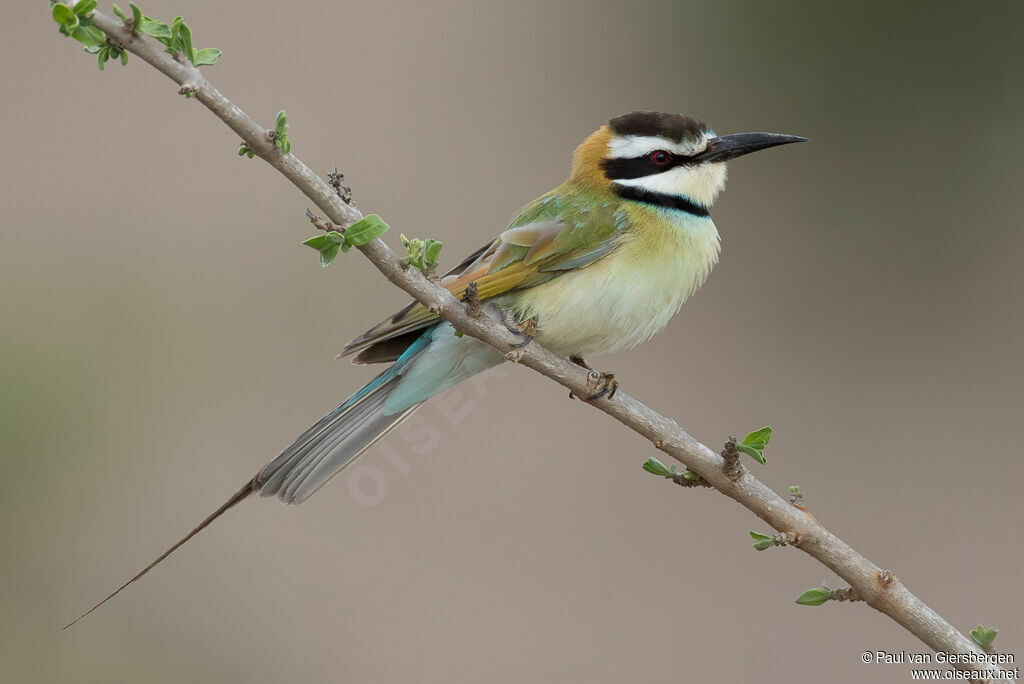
point(600, 263)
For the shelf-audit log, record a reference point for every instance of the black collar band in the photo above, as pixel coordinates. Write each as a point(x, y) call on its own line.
point(661, 199)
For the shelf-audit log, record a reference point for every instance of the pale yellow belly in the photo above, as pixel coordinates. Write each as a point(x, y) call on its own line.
point(621, 300)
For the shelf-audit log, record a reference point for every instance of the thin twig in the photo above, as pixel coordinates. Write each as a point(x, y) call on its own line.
point(336, 179)
point(880, 589)
point(320, 224)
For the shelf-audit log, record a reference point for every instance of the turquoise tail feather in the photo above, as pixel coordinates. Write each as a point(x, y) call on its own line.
point(437, 360)
point(339, 437)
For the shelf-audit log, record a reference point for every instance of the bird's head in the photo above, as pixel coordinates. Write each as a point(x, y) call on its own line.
point(665, 159)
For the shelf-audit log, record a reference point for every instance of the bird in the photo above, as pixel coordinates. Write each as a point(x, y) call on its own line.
point(599, 264)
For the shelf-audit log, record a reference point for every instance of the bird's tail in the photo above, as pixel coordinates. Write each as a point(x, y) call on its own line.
point(241, 494)
point(317, 455)
point(333, 442)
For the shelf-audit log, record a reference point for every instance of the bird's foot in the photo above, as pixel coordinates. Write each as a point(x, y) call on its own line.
point(604, 383)
point(527, 330)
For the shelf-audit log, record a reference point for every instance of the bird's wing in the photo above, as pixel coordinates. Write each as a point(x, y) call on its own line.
point(551, 236)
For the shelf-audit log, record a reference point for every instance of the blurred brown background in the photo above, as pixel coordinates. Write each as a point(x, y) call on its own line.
point(164, 335)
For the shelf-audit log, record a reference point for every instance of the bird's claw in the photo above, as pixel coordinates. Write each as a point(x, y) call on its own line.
point(605, 383)
point(527, 330)
point(527, 339)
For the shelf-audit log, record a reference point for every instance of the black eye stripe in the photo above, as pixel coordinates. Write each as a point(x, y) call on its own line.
point(637, 167)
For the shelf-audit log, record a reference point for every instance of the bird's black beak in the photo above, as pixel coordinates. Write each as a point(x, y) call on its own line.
point(726, 147)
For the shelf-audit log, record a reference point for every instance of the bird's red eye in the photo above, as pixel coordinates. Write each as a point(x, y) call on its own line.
point(660, 157)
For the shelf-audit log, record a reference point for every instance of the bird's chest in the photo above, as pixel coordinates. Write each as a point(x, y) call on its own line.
point(627, 297)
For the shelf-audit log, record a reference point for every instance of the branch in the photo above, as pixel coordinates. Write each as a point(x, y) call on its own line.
point(879, 588)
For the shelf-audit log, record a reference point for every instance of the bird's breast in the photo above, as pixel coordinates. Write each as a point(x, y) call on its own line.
point(628, 296)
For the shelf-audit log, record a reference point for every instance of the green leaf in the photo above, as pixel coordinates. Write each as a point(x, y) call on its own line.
point(814, 597)
point(327, 255)
point(759, 438)
point(423, 254)
point(137, 18)
point(281, 137)
point(761, 541)
point(413, 251)
point(207, 56)
point(83, 7)
point(154, 28)
point(320, 242)
point(372, 226)
point(186, 42)
point(431, 250)
point(357, 235)
point(984, 637)
point(65, 16)
point(89, 36)
point(124, 58)
point(328, 246)
point(120, 13)
point(752, 452)
point(656, 467)
point(102, 56)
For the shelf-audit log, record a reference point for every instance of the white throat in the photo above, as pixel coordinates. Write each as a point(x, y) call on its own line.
point(701, 184)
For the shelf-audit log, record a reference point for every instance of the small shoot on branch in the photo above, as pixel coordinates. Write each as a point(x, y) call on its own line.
point(106, 53)
point(422, 254)
point(656, 467)
point(75, 22)
point(816, 596)
point(280, 133)
point(684, 478)
point(358, 234)
point(762, 541)
point(766, 541)
point(177, 38)
point(689, 475)
point(753, 444)
point(984, 636)
point(244, 151)
point(135, 22)
point(796, 496)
